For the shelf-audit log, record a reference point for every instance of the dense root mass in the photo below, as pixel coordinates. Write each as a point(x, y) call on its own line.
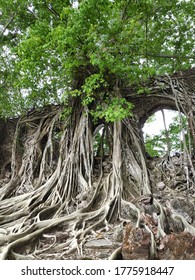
point(58, 190)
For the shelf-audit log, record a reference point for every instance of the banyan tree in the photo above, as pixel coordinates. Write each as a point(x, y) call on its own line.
point(79, 82)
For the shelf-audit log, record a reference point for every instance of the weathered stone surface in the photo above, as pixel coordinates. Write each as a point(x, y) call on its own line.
point(174, 225)
point(177, 247)
point(136, 243)
point(98, 243)
point(184, 207)
point(127, 213)
point(118, 234)
point(174, 246)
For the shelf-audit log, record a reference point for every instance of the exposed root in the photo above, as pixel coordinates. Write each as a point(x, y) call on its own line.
point(116, 255)
point(56, 185)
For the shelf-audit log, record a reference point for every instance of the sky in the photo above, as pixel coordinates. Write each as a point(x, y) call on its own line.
point(155, 127)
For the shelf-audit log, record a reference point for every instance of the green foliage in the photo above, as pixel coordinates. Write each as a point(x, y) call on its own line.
point(114, 109)
point(151, 119)
point(157, 145)
point(92, 84)
point(55, 48)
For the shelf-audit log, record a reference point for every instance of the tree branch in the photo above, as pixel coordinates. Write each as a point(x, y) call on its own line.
point(32, 13)
point(50, 8)
point(7, 25)
point(174, 56)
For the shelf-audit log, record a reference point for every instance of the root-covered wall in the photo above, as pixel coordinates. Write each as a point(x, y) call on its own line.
point(51, 178)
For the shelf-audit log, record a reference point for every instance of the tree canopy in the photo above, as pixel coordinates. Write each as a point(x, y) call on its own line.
point(83, 77)
point(51, 50)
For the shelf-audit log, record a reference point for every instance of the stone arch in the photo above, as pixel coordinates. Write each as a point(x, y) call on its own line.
point(174, 92)
point(153, 106)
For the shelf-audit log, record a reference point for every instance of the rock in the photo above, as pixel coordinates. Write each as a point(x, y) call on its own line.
point(151, 209)
point(174, 246)
point(174, 225)
point(184, 204)
point(118, 234)
point(160, 186)
point(136, 243)
point(177, 247)
point(102, 256)
point(98, 244)
point(184, 207)
point(127, 213)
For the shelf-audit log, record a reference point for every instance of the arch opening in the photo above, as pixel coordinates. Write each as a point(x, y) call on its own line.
point(166, 133)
